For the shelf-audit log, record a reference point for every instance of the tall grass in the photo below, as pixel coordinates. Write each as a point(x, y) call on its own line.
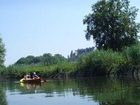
point(101, 62)
point(18, 71)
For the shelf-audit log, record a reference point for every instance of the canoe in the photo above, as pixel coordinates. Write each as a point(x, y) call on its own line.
point(37, 80)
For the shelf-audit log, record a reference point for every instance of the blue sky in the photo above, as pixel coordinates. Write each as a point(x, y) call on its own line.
point(34, 27)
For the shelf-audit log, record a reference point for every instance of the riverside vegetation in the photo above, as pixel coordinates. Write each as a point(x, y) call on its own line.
point(112, 26)
point(94, 63)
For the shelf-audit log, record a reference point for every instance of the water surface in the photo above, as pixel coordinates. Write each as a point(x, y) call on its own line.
point(95, 91)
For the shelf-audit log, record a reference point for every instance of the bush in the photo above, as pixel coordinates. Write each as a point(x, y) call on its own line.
point(132, 54)
point(101, 62)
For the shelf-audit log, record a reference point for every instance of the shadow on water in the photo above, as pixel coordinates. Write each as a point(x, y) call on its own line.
point(112, 91)
point(2, 97)
point(105, 91)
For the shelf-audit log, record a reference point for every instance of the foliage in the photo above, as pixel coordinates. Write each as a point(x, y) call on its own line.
point(45, 59)
point(2, 53)
point(101, 62)
point(95, 63)
point(74, 55)
point(112, 24)
point(132, 55)
point(50, 71)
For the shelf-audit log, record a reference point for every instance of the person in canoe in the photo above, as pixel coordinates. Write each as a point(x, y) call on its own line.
point(35, 76)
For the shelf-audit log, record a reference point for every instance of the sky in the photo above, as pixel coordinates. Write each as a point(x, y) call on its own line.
point(35, 27)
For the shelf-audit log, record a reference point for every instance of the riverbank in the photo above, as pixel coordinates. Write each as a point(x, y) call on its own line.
point(96, 63)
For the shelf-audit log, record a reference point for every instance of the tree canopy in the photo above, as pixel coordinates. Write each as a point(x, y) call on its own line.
point(112, 24)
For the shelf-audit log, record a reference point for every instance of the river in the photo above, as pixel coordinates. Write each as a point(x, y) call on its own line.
point(93, 91)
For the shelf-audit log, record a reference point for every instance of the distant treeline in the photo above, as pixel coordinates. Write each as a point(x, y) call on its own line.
point(49, 59)
point(45, 59)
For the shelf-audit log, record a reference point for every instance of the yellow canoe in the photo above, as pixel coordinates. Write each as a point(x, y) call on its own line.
point(37, 80)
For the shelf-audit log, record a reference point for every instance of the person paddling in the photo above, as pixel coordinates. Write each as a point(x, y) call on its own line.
point(35, 76)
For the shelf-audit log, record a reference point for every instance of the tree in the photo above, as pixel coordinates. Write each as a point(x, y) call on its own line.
point(21, 61)
point(75, 55)
point(58, 58)
point(2, 53)
point(112, 24)
point(45, 59)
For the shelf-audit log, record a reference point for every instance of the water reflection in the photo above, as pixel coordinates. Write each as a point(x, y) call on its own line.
point(30, 86)
point(100, 91)
point(112, 91)
point(2, 98)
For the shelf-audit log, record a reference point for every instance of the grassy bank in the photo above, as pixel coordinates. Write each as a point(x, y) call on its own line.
point(18, 71)
point(106, 63)
point(96, 63)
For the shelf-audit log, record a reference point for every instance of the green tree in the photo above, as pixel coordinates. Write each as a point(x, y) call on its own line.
point(112, 24)
point(58, 58)
point(2, 53)
point(21, 61)
point(28, 60)
point(47, 59)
